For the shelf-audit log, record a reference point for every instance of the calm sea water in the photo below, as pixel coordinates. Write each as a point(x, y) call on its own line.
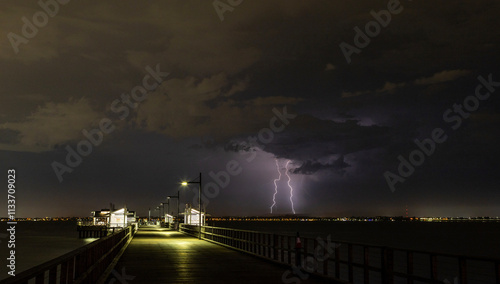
point(38, 242)
point(465, 238)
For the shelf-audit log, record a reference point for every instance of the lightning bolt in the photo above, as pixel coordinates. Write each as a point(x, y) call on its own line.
point(275, 186)
point(291, 188)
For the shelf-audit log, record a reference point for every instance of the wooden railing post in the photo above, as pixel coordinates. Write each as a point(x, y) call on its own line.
point(271, 248)
point(497, 271)
point(267, 245)
point(326, 257)
point(387, 266)
point(315, 256)
point(71, 270)
point(337, 262)
point(349, 263)
point(261, 240)
point(257, 243)
point(53, 275)
point(462, 268)
point(264, 242)
point(247, 241)
point(40, 278)
point(64, 272)
point(275, 247)
point(409, 267)
point(252, 241)
point(434, 269)
point(282, 247)
point(366, 262)
point(78, 266)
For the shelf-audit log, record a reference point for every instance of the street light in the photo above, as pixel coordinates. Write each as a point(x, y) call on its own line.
point(168, 204)
point(185, 183)
point(162, 207)
point(173, 196)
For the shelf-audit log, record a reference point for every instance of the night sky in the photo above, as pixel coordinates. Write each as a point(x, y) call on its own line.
point(350, 94)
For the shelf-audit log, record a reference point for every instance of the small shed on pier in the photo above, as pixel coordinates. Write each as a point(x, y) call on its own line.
point(113, 218)
point(192, 216)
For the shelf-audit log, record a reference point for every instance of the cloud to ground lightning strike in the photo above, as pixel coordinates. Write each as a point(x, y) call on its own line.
point(275, 186)
point(291, 189)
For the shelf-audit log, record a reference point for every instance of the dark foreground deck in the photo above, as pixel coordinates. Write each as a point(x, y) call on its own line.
point(162, 256)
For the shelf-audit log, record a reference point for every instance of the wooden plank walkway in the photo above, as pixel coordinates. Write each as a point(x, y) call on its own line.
point(158, 255)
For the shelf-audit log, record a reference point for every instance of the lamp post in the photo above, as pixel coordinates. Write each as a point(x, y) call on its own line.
point(173, 196)
point(185, 183)
point(177, 216)
point(162, 208)
point(168, 209)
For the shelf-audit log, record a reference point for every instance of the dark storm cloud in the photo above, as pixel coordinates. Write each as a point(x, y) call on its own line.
point(353, 120)
point(8, 136)
point(310, 167)
point(309, 138)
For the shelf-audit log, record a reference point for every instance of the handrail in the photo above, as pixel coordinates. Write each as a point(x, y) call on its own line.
point(82, 265)
point(471, 257)
point(386, 262)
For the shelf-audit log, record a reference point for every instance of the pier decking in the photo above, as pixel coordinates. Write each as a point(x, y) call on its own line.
point(158, 255)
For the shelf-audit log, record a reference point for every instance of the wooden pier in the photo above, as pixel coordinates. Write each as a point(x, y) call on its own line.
point(159, 255)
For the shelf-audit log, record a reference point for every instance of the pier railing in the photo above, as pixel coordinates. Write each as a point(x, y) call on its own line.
point(356, 262)
point(83, 265)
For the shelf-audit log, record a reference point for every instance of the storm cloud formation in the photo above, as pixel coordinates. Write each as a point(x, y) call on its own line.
point(353, 120)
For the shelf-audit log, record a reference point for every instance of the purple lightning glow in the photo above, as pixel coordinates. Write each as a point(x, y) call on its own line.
point(275, 186)
point(291, 188)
